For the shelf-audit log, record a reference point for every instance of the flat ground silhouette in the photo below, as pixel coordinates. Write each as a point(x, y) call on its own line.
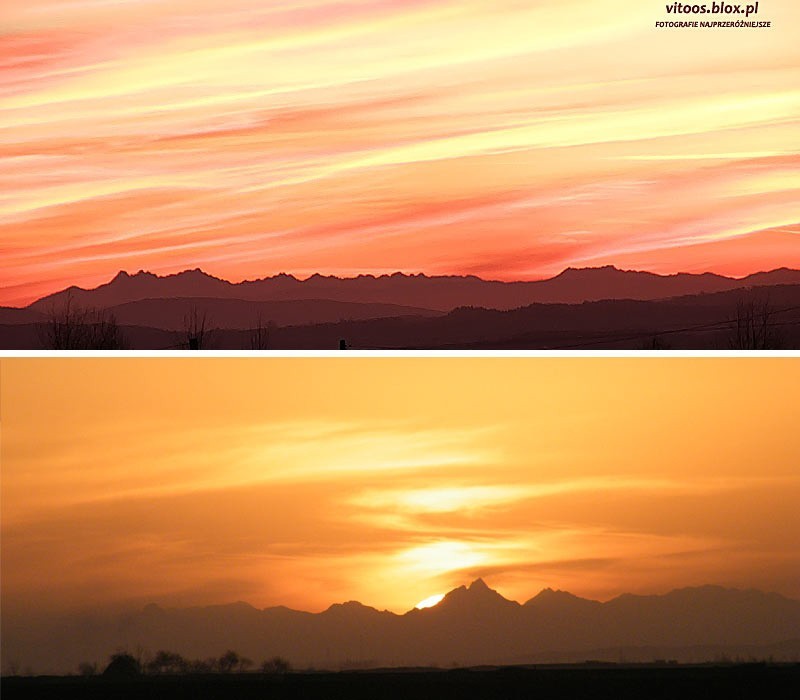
point(596, 681)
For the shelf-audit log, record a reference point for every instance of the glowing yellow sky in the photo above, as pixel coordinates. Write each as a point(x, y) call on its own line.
point(505, 138)
point(388, 480)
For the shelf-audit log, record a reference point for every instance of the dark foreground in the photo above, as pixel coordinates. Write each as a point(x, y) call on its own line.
point(740, 681)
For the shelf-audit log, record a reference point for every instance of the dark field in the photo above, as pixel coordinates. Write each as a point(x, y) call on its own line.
point(680, 682)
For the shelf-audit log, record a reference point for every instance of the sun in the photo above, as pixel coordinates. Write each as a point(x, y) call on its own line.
point(429, 602)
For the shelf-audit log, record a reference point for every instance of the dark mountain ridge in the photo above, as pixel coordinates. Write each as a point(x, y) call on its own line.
point(434, 293)
point(470, 626)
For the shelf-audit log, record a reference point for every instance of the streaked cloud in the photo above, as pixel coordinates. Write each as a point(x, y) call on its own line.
point(152, 463)
point(449, 499)
point(347, 137)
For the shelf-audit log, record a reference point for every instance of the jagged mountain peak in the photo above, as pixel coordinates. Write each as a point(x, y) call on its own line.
point(599, 269)
point(477, 596)
point(350, 608)
point(556, 598)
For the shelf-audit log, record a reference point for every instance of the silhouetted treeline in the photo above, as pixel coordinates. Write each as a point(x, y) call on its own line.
point(126, 665)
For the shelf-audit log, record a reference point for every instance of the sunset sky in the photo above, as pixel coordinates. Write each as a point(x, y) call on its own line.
point(307, 482)
point(504, 138)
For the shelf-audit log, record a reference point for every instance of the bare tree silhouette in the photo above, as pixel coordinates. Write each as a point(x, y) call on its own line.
point(194, 327)
point(167, 662)
point(227, 662)
point(126, 664)
point(276, 664)
point(202, 666)
point(259, 334)
point(655, 343)
point(232, 661)
point(71, 327)
point(753, 328)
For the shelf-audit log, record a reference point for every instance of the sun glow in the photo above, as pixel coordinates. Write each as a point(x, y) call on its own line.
point(430, 601)
point(436, 558)
point(256, 474)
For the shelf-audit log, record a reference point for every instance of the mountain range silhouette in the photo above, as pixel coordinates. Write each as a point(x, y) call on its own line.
point(591, 307)
point(419, 291)
point(471, 625)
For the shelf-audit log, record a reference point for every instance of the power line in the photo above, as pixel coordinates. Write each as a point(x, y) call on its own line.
point(715, 325)
point(712, 325)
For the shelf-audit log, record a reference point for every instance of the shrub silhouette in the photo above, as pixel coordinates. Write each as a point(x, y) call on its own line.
point(202, 666)
point(86, 669)
point(232, 661)
point(276, 664)
point(167, 662)
point(123, 665)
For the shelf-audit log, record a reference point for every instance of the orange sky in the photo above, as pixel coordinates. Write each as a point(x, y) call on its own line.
point(311, 481)
point(505, 138)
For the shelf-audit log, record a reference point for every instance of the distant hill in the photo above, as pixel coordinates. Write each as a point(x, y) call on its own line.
point(702, 321)
point(563, 603)
point(12, 316)
point(437, 293)
point(472, 625)
point(231, 314)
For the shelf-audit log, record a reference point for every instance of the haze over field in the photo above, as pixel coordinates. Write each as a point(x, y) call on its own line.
point(506, 139)
point(471, 625)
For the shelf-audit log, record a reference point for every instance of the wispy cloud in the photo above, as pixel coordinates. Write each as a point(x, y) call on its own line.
point(347, 137)
point(218, 479)
point(450, 498)
point(150, 463)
